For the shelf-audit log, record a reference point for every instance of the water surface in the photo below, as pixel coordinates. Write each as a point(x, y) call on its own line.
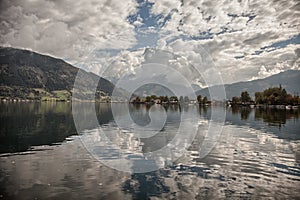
point(42, 156)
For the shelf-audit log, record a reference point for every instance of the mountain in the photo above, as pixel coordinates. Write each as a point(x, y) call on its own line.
point(153, 89)
point(288, 80)
point(26, 74)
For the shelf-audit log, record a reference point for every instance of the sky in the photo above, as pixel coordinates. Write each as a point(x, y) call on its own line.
point(246, 39)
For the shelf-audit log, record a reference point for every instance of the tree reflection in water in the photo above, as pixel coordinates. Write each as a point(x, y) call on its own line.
point(276, 117)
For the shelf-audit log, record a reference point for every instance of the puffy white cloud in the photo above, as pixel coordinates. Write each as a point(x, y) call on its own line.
point(276, 65)
point(239, 34)
point(194, 16)
point(67, 29)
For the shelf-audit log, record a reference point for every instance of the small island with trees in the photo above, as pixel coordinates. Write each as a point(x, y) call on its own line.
point(273, 97)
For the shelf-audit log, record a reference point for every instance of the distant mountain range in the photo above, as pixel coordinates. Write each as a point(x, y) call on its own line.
point(290, 80)
point(25, 74)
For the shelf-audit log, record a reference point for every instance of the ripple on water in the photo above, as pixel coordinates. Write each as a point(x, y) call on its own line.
point(244, 166)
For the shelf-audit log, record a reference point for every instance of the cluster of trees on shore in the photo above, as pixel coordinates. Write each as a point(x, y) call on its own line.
point(276, 96)
point(169, 100)
point(243, 99)
point(270, 96)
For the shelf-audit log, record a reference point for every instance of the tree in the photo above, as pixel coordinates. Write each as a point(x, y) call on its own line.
point(283, 93)
point(186, 99)
point(296, 100)
point(204, 101)
point(282, 96)
point(181, 99)
point(137, 99)
point(199, 99)
point(166, 99)
point(235, 100)
point(173, 99)
point(148, 99)
point(271, 99)
point(258, 97)
point(153, 97)
point(289, 99)
point(161, 98)
point(245, 97)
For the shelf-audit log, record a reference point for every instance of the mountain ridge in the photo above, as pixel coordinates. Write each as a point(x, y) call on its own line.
point(288, 79)
point(26, 74)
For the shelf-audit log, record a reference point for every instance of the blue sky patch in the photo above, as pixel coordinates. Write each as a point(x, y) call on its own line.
point(279, 45)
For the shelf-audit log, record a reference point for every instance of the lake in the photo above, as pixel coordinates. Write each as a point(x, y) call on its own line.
point(42, 155)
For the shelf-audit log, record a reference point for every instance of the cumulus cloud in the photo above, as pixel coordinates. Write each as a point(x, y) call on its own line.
point(266, 71)
point(195, 16)
point(237, 34)
point(245, 39)
point(67, 29)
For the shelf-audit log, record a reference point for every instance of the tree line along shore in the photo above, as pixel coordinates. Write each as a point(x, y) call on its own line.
point(273, 97)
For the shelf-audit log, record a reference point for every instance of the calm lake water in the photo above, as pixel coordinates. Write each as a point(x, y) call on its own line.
point(43, 157)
